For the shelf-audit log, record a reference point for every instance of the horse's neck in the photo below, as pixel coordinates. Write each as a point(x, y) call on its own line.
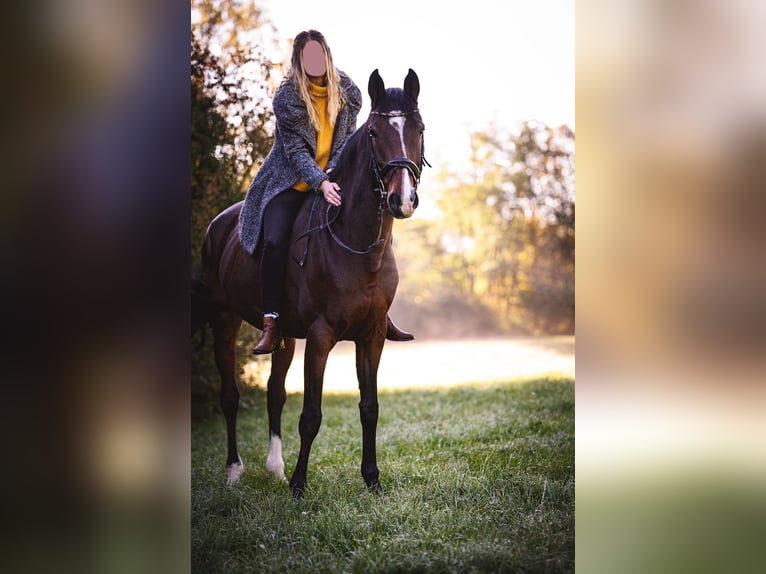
point(364, 214)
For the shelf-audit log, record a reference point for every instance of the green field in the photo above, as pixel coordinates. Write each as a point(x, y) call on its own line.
point(478, 478)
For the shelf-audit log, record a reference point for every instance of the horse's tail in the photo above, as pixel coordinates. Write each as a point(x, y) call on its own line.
point(200, 307)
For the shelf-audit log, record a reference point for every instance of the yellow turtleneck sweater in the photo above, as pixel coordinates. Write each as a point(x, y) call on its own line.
point(324, 135)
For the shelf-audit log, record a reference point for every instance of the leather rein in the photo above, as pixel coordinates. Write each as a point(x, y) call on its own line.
point(379, 173)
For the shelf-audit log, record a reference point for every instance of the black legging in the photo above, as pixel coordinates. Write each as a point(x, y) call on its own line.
point(278, 219)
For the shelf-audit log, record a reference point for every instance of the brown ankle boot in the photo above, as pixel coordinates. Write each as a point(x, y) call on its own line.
point(269, 339)
point(394, 333)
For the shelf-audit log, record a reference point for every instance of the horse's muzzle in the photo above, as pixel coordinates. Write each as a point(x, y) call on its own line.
point(403, 209)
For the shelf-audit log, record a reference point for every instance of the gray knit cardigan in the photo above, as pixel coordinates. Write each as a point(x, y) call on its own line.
point(292, 158)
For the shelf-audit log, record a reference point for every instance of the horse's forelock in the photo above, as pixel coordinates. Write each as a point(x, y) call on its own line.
point(395, 100)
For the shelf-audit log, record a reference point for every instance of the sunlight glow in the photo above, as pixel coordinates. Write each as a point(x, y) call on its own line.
point(440, 364)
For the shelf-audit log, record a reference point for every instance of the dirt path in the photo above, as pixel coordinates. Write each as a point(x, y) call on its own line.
point(445, 363)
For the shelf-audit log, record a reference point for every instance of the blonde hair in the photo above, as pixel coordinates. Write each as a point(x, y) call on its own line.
point(297, 75)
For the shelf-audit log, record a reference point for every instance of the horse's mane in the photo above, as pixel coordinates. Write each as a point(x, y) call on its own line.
point(348, 153)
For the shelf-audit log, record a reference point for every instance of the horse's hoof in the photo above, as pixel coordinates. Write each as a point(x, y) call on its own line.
point(298, 490)
point(234, 471)
point(278, 474)
point(376, 488)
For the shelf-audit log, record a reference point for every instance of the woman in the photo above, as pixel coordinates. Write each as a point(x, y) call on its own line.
point(316, 108)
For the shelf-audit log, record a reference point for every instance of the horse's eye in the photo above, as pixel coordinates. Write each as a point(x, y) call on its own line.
point(373, 134)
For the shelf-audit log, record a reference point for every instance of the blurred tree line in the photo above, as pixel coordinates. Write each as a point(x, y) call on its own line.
point(231, 86)
point(498, 258)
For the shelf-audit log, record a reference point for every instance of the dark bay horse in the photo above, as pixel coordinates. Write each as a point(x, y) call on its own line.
point(340, 281)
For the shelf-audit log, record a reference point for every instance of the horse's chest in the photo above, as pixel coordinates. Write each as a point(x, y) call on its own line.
point(370, 294)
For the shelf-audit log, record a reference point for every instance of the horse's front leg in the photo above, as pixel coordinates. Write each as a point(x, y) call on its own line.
point(275, 398)
point(319, 342)
point(368, 353)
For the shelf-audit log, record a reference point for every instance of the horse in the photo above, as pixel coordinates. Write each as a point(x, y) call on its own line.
point(340, 281)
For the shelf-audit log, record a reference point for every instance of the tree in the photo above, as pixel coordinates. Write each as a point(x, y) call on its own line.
point(231, 132)
point(537, 198)
point(232, 121)
point(507, 232)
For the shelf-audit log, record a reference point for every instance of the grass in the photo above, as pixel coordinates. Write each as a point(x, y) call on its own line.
point(477, 479)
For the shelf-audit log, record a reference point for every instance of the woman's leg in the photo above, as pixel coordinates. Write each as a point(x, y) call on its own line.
point(278, 219)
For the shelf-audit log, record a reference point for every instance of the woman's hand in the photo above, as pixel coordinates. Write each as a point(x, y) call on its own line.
point(331, 192)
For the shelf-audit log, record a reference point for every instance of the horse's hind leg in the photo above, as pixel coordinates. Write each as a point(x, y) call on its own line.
point(276, 396)
point(225, 328)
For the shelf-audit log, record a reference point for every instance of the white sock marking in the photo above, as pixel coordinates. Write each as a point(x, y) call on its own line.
point(274, 463)
point(234, 471)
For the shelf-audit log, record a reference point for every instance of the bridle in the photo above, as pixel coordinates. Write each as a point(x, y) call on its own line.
point(396, 163)
point(379, 173)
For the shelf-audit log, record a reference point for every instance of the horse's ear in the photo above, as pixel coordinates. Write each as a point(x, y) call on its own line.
point(412, 85)
point(376, 88)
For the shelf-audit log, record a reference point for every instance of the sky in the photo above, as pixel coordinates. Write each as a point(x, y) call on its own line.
point(492, 61)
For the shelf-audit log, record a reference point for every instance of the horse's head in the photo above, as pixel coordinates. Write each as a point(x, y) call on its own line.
point(395, 134)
